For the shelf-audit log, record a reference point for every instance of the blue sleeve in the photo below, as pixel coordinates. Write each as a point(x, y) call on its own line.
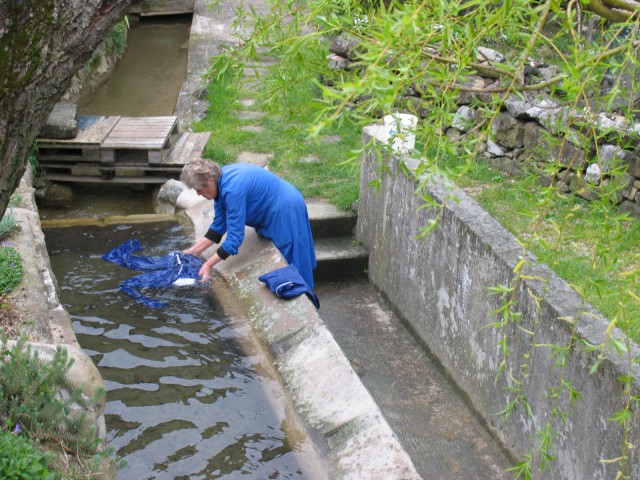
point(219, 223)
point(236, 215)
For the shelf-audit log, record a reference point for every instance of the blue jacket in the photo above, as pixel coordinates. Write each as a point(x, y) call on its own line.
point(159, 271)
point(253, 196)
point(286, 282)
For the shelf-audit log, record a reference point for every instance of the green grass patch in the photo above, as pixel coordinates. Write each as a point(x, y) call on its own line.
point(320, 168)
point(598, 258)
point(10, 268)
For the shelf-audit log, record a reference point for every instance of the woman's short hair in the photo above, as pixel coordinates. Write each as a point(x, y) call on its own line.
point(196, 174)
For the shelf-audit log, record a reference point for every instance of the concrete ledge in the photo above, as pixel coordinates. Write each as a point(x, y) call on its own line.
point(339, 413)
point(439, 285)
point(45, 320)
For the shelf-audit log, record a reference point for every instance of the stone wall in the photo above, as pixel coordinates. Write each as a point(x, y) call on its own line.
point(98, 68)
point(439, 284)
point(45, 319)
point(533, 131)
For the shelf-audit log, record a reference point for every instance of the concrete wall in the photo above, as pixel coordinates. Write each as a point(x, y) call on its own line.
point(45, 320)
point(352, 439)
point(439, 284)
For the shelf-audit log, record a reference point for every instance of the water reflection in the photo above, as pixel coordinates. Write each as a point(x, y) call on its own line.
point(184, 401)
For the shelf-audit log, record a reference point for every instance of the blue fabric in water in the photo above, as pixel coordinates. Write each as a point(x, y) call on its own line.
point(286, 282)
point(158, 271)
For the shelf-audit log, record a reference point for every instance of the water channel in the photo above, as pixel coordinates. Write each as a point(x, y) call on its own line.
point(156, 58)
point(189, 395)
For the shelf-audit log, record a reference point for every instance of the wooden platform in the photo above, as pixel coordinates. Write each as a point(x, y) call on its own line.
point(121, 150)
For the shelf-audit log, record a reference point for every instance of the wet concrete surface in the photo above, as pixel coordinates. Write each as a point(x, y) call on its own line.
point(435, 426)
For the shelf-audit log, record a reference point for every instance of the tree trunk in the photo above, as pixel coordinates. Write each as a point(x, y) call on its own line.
point(43, 43)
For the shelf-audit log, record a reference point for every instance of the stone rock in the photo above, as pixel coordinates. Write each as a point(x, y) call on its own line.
point(538, 142)
point(453, 134)
point(581, 188)
point(466, 98)
point(610, 156)
point(168, 195)
point(507, 131)
point(345, 45)
point(464, 118)
point(188, 198)
point(494, 149)
point(58, 196)
point(632, 208)
point(633, 162)
point(336, 62)
point(517, 107)
point(62, 122)
point(488, 54)
point(548, 73)
point(592, 174)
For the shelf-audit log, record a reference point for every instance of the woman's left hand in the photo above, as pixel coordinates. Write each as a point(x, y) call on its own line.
point(205, 273)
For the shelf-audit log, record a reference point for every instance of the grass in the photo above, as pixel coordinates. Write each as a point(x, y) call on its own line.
point(318, 168)
point(602, 263)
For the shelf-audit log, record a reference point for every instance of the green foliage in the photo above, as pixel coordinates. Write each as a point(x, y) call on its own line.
point(31, 401)
point(119, 37)
point(318, 166)
point(15, 200)
point(33, 162)
point(20, 460)
point(10, 268)
point(8, 224)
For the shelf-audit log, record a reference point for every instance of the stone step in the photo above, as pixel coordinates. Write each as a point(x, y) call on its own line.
point(329, 221)
point(340, 258)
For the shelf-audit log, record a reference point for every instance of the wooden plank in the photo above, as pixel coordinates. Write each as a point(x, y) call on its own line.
point(192, 148)
point(202, 139)
point(87, 155)
point(143, 167)
point(59, 177)
point(176, 147)
point(140, 133)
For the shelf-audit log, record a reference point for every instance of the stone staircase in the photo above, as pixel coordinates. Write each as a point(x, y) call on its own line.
point(338, 254)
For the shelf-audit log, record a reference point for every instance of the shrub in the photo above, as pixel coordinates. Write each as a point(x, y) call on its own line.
point(37, 399)
point(8, 224)
point(20, 460)
point(10, 268)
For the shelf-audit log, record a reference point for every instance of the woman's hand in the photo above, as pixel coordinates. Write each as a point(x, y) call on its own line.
point(199, 247)
point(205, 270)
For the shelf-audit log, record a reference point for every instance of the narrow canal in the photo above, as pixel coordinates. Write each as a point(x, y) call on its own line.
point(147, 80)
point(189, 393)
point(188, 397)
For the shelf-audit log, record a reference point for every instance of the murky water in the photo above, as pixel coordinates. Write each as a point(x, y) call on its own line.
point(187, 395)
point(96, 200)
point(436, 427)
point(147, 80)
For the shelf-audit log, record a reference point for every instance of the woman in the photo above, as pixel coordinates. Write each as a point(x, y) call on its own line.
point(245, 194)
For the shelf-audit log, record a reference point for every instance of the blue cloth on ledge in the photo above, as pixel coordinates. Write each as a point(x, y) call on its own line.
point(286, 282)
point(158, 271)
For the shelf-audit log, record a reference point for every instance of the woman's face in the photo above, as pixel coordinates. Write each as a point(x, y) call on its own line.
point(210, 191)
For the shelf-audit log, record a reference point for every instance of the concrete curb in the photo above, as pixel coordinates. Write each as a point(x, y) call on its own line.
point(341, 417)
point(444, 297)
